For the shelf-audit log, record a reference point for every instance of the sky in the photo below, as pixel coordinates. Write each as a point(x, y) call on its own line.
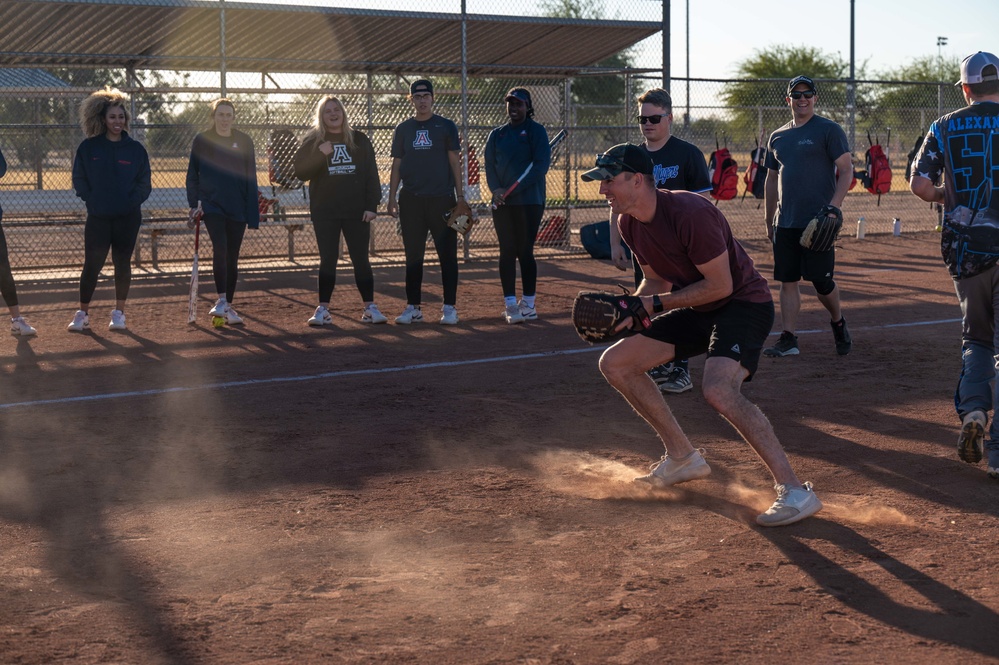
point(888, 33)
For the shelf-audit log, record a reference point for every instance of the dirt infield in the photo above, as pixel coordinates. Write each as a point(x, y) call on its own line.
point(431, 494)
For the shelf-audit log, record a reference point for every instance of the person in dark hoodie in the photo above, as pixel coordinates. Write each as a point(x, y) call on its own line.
point(18, 326)
point(344, 193)
point(111, 174)
point(509, 150)
point(222, 179)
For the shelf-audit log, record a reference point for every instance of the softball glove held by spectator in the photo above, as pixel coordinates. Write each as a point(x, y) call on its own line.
point(596, 315)
point(460, 217)
point(822, 231)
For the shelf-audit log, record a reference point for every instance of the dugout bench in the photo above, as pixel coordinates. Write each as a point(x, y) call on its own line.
point(155, 229)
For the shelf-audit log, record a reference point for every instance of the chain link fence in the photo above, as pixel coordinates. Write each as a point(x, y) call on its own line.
point(39, 134)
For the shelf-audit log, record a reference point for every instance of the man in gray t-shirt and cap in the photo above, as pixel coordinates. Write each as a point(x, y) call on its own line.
point(810, 165)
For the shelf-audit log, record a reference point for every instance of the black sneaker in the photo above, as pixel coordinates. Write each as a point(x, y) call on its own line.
point(660, 374)
point(843, 340)
point(787, 345)
point(676, 382)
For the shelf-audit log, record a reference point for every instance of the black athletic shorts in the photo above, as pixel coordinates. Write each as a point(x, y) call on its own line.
point(792, 262)
point(736, 330)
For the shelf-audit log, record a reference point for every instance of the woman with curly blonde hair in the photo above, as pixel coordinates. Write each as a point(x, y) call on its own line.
point(344, 189)
point(111, 174)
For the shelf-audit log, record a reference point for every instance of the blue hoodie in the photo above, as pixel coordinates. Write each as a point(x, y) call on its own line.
point(509, 150)
point(222, 174)
point(112, 177)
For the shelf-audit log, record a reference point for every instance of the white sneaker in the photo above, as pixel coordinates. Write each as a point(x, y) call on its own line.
point(792, 505)
point(20, 328)
point(231, 317)
point(449, 315)
point(970, 445)
point(218, 309)
point(372, 315)
point(80, 322)
point(670, 471)
point(322, 317)
point(117, 320)
point(409, 315)
point(512, 314)
point(529, 313)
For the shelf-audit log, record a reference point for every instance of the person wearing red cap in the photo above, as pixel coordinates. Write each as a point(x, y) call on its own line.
point(510, 149)
point(707, 298)
point(958, 166)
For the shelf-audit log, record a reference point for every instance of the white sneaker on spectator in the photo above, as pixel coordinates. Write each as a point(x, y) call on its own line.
point(231, 317)
point(218, 309)
point(411, 314)
point(80, 322)
point(117, 320)
point(372, 315)
point(449, 315)
point(529, 313)
point(20, 328)
point(971, 443)
point(512, 314)
point(322, 317)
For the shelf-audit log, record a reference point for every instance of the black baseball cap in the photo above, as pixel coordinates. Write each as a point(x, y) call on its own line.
point(623, 157)
point(518, 93)
point(800, 79)
point(421, 85)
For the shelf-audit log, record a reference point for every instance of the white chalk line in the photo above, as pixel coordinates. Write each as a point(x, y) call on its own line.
point(292, 379)
point(368, 372)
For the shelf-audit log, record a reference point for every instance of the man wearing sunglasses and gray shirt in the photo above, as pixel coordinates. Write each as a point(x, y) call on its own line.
point(677, 165)
point(810, 166)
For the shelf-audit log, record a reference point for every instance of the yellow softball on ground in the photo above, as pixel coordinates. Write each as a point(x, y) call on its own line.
point(218, 321)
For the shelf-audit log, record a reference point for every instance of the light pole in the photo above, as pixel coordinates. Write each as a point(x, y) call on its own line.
point(941, 41)
point(686, 116)
point(666, 44)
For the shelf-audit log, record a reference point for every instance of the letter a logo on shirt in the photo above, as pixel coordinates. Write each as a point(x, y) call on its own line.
point(340, 154)
point(422, 139)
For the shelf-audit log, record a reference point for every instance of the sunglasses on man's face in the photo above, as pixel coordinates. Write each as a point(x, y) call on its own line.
point(605, 161)
point(654, 119)
point(798, 94)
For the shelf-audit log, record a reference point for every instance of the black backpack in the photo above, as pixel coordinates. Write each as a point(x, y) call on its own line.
point(281, 148)
point(755, 176)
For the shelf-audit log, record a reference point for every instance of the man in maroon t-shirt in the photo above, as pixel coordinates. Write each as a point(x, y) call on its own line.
point(707, 298)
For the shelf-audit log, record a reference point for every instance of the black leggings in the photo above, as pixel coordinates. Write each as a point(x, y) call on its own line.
point(357, 233)
point(517, 229)
point(7, 288)
point(118, 234)
point(417, 216)
point(227, 238)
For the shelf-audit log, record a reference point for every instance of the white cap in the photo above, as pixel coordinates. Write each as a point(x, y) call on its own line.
point(976, 68)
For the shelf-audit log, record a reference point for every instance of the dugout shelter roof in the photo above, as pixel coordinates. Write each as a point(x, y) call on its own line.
point(185, 35)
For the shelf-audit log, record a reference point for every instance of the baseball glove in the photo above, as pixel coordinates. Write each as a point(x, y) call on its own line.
point(823, 230)
point(461, 218)
point(597, 315)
